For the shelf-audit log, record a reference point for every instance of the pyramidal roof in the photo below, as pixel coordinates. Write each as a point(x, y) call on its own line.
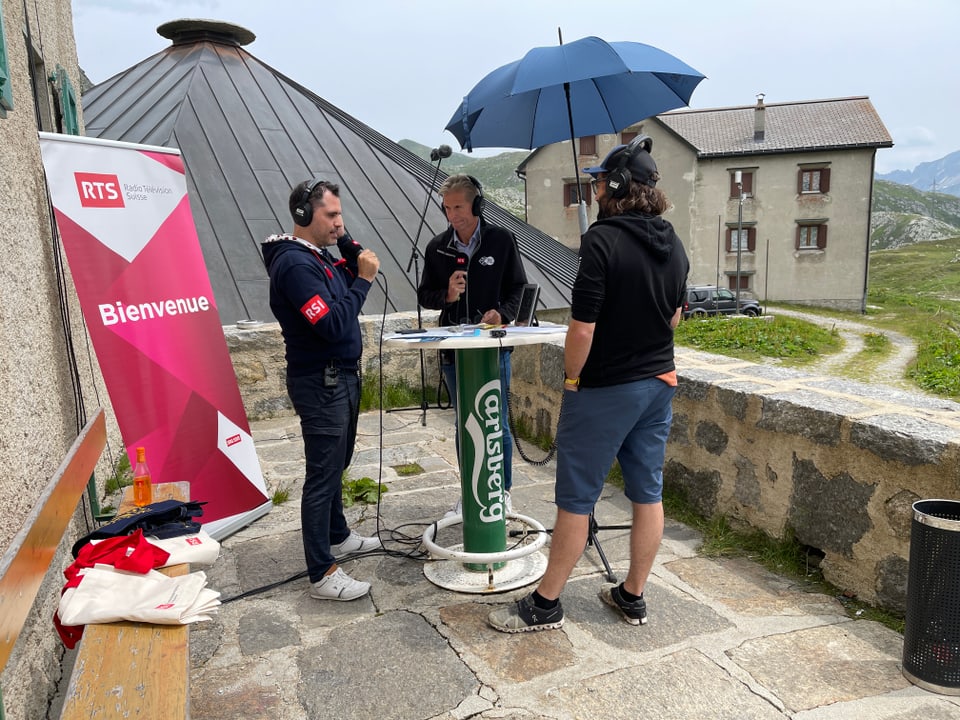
point(248, 134)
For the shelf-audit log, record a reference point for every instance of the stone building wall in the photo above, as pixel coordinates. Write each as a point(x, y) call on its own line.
point(834, 463)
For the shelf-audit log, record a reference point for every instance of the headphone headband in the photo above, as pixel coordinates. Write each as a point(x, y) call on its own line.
point(618, 180)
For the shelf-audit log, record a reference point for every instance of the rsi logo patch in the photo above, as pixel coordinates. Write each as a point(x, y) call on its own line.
point(314, 309)
point(98, 190)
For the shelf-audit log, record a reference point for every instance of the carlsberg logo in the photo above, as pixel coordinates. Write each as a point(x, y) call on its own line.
point(485, 431)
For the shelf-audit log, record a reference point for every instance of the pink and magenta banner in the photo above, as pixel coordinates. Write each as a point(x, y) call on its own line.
point(125, 223)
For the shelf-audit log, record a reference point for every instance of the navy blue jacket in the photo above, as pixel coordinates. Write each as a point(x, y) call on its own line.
point(317, 301)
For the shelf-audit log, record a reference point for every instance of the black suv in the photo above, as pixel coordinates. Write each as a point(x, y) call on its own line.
point(703, 300)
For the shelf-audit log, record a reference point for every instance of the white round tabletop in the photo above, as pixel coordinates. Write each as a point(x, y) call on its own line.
point(475, 336)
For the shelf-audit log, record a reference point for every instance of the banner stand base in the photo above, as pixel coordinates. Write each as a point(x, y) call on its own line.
point(224, 527)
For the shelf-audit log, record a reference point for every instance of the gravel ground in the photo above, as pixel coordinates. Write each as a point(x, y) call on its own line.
point(891, 371)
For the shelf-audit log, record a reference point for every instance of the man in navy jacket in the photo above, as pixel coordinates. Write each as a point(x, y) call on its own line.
point(317, 301)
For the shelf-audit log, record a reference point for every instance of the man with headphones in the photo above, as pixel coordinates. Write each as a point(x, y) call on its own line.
point(317, 300)
point(486, 254)
point(619, 383)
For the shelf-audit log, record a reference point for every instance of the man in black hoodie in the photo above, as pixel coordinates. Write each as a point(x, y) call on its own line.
point(317, 300)
point(619, 383)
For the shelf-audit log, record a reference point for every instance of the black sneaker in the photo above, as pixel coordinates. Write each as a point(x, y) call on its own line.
point(634, 612)
point(524, 616)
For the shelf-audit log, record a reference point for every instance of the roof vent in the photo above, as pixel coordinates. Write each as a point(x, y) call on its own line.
point(759, 119)
point(191, 30)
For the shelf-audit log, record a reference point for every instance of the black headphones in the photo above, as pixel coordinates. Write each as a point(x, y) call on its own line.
point(303, 210)
point(618, 179)
point(478, 202)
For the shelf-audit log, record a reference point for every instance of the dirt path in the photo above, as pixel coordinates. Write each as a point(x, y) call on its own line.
point(891, 371)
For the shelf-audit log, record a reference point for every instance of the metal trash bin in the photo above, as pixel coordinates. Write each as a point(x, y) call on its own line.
point(931, 637)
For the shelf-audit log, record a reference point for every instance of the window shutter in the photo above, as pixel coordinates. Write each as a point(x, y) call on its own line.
point(588, 145)
point(68, 104)
point(751, 239)
point(747, 179)
point(825, 180)
point(799, 181)
point(796, 239)
point(821, 236)
point(729, 240)
point(6, 91)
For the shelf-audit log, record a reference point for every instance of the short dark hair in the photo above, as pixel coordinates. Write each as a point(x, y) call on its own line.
point(316, 193)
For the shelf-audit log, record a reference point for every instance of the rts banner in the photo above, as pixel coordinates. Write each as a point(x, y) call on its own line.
point(125, 223)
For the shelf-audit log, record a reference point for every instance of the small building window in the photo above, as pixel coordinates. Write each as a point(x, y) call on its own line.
point(746, 180)
point(811, 236)
point(747, 236)
point(570, 194)
point(627, 135)
point(6, 91)
point(813, 180)
point(588, 145)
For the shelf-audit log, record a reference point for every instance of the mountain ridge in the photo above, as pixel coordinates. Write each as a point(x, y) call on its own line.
point(940, 176)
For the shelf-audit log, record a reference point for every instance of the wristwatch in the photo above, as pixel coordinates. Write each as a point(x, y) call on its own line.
point(572, 382)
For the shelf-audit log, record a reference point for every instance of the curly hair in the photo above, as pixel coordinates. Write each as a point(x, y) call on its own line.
point(640, 197)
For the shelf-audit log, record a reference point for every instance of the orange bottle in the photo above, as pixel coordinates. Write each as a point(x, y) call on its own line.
point(142, 488)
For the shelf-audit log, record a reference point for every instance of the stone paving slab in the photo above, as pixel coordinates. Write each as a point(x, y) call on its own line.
point(726, 638)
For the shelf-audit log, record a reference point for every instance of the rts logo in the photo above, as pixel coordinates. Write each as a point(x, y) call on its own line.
point(98, 190)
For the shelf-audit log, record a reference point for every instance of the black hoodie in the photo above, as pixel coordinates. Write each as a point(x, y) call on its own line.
point(632, 278)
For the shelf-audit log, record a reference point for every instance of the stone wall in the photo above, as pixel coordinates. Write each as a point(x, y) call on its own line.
point(834, 463)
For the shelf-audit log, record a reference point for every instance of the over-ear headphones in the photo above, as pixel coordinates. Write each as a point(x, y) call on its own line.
point(618, 179)
point(303, 210)
point(478, 202)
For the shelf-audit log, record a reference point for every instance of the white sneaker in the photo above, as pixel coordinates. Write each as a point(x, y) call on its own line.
point(508, 502)
point(355, 543)
point(338, 586)
point(455, 510)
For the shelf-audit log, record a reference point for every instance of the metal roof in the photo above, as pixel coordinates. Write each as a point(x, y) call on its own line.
point(788, 127)
point(248, 134)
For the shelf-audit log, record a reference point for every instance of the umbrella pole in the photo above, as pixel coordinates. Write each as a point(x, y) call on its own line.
point(581, 205)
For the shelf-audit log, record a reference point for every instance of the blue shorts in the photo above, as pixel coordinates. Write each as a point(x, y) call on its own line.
point(629, 422)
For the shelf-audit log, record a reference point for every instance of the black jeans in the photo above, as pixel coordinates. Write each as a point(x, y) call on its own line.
point(328, 421)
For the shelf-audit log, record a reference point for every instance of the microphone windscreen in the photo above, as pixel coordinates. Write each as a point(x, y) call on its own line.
point(462, 261)
point(348, 247)
point(444, 151)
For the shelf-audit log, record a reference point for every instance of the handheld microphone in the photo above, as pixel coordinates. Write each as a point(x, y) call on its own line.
point(348, 247)
point(444, 151)
point(462, 261)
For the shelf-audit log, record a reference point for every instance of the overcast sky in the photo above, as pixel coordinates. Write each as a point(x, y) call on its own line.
point(403, 67)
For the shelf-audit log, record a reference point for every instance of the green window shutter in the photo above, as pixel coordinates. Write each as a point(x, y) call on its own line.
point(6, 91)
point(68, 103)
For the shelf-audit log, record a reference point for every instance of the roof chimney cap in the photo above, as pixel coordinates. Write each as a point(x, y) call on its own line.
point(193, 30)
point(760, 97)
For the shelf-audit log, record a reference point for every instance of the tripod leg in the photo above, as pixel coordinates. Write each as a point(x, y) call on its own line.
point(592, 539)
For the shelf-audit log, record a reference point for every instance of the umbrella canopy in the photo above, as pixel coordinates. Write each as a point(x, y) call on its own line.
point(586, 87)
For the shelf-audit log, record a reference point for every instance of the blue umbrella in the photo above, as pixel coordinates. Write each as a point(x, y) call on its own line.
point(586, 87)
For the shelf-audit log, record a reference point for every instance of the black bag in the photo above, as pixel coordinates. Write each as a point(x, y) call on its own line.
point(165, 519)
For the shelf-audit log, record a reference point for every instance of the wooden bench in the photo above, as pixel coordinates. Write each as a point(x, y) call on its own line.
point(122, 669)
